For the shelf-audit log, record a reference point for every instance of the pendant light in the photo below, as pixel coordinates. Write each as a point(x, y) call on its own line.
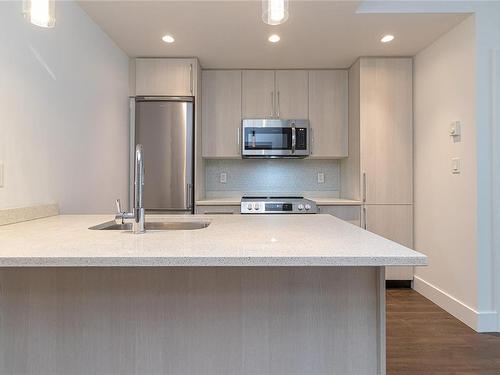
point(274, 12)
point(40, 12)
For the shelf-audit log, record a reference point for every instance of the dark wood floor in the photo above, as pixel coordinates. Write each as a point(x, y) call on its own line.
point(424, 339)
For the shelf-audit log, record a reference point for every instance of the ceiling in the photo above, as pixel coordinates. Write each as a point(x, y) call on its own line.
point(231, 34)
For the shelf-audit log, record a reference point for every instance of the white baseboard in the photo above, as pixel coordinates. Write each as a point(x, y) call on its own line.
point(480, 321)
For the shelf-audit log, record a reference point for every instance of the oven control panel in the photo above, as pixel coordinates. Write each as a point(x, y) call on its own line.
point(278, 205)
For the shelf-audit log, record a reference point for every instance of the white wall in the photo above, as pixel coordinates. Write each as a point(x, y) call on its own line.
point(64, 112)
point(445, 203)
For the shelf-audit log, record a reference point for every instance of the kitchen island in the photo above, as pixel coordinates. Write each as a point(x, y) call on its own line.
point(261, 294)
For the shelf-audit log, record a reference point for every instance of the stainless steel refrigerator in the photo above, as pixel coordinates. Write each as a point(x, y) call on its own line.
point(165, 128)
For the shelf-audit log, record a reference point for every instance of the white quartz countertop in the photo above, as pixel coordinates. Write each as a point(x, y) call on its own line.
point(235, 201)
point(229, 240)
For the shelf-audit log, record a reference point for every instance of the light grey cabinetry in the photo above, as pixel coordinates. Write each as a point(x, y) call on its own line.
point(258, 96)
point(275, 94)
point(386, 118)
point(221, 113)
point(351, 214)
point(292, 94)
point(232, 95)
point(379, 169)
point(328, 113)
point(394, 222)
point(217, 210)
point(165, 77)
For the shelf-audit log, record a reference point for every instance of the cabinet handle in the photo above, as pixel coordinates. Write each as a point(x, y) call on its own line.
point(311, 140)
point(364, 187)
point(238, 135)
point(273, 109)
point(191, 78)
point(278, 112)
point(365, 225)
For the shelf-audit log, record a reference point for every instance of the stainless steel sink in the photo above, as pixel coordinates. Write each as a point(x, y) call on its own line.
point(154, 225)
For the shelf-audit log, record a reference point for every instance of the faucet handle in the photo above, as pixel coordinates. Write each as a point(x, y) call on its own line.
point(119, 206)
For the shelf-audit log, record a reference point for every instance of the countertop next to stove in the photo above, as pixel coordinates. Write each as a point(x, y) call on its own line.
point(229, 240)
point(321, 201)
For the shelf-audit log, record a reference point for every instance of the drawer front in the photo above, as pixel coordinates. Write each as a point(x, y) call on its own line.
point(351, 214)
point(217, 210)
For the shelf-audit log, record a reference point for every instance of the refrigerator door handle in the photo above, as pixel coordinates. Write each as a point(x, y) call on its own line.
point(189, 198)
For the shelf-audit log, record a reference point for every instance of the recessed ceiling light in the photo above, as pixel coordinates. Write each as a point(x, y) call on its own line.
point(274, 38)
point(168, 38)
point(387, 38)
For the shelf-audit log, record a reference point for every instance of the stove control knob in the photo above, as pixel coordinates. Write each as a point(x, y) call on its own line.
point(300, 207)
point(308, 207)
point(249, 206)
point(256, 206)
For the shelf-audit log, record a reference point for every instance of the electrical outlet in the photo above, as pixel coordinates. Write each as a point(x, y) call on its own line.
point(1, 174)
point(223, 178)
point(321, 178)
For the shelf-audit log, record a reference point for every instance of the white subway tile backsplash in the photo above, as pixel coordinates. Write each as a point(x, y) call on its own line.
point(272, 175)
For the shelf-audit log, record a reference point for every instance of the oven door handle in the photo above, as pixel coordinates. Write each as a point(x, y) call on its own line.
point(294, 139)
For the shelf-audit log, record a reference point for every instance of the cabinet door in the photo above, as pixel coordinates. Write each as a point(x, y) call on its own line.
point(328, 113)
point(292, 94)
point(218, 210)
point(351, 214)
point(394, 222)
point(221, 108)
point(258, 94)
point(386, 130)
point(172, 77)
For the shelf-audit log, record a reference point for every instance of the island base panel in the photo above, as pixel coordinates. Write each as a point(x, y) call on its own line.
point(208, 320)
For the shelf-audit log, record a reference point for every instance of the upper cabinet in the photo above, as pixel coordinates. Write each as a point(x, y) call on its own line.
point(275, 94)
point(221, 113)
point(379, 169)
point(292, 94)
point(328, 113)
point(386, 130)
point(165, 77)
point(258, 96)
point(232, 95)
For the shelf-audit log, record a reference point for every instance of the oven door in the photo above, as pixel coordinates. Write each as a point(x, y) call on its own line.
point(270, 138)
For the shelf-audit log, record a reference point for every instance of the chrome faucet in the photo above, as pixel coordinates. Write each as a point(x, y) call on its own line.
point(137, 216)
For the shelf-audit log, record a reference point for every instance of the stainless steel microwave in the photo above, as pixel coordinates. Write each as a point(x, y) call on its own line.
point(275, 138)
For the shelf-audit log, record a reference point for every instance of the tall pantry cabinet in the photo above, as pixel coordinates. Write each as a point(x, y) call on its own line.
point(379, 169)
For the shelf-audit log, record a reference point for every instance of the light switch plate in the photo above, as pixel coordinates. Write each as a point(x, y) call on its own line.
point(321, 178)
point(223, 178)
point(455, 165)
point(1, 174)
point(455, 129)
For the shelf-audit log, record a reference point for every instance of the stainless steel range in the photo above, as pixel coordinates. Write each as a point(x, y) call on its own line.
point(277, 205)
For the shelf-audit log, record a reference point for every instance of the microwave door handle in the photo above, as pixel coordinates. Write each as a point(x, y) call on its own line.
point(294, 140)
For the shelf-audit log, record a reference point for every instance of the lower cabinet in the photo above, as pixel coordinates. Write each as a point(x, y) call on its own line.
point(351, 214)
point(217, 210)
point(394, 222)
